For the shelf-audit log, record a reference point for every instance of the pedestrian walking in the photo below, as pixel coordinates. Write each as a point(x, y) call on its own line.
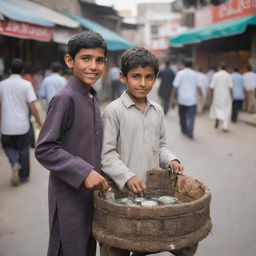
point(17, 97)
point(116, 86)
point(52, 83)
point(28, 75)
point(203, 81)
point(238, 93)
point(210, 74)
point(250, 87)
point(69, 146)
point(166, 75)
point(174, 68)
point(187, 88)
point(221, 86)
point(38, 78)
point(134, 133)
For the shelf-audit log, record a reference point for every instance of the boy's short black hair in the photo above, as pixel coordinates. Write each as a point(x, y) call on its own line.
point(138, 57)
point(17, 66)
point(86, 40)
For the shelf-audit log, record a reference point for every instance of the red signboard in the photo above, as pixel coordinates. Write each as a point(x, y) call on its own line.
point(25, 30)
point(229, 10)
point(234, 9)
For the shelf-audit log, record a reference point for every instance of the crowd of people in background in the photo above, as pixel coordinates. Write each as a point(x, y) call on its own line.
point(20, 91)
point(221, 91)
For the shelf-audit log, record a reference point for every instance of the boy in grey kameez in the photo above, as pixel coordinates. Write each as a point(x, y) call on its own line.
point(134, 131)
point(69, 146)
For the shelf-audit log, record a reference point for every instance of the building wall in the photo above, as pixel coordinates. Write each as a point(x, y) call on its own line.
point(144, 13)
point(71, 6)
point(131, 35)
point(160, 23)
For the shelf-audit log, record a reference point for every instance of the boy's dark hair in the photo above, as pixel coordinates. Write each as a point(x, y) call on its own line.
point(17, 66)
point(138, 57)
point(86, 40)
point(56, 67)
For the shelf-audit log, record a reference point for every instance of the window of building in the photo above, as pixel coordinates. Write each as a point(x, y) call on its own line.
point(154, 29)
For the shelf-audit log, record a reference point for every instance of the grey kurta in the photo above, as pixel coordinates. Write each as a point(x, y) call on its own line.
point(134, 140)
point(69, 146)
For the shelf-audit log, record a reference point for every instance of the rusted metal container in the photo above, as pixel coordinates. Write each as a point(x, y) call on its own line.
point(160, 228)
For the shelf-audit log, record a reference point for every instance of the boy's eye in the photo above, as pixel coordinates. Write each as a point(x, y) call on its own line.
point(86, 58)
point(101, 60)
point(137, 76)
point(150, 77)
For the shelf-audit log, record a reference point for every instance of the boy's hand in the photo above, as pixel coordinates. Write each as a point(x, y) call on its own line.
point(96, 181)
point(136, 185)
point(176, 166)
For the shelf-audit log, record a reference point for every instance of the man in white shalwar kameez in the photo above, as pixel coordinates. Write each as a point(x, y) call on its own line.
point(221, 86)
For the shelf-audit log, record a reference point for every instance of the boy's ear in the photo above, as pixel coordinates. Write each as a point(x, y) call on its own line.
point(68, 60)
point(122, 78)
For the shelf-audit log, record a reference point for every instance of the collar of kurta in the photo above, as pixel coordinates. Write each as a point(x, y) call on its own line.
point(74, 82)
point(127, 101)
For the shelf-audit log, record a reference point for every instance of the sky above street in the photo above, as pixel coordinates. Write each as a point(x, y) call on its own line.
point(130, 4)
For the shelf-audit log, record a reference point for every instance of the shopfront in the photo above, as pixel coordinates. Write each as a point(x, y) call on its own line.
point(223, 33)
point(33, 33)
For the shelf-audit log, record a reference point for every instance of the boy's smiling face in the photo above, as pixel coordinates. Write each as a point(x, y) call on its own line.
point(88, 64)
point(139, 82)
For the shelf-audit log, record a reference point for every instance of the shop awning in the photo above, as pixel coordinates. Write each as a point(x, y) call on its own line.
point(114, 41)
point(15, 12)
point(44, 12)
point(216, 30)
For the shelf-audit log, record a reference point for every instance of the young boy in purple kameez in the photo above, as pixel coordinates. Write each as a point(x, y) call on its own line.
point(69, 146)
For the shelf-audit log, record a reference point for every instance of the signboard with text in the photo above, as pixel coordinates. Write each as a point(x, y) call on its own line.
point(25, 30)
point(229, 10)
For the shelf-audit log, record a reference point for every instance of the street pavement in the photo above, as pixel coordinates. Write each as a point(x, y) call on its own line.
point(225, 162)
point(249, 118)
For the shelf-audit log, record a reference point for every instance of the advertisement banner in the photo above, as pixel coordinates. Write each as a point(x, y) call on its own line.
point(25, 30)
point(229, 10)
point(233, 9)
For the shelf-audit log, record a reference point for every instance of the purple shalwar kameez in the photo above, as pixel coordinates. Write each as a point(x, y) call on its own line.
point(69, 146)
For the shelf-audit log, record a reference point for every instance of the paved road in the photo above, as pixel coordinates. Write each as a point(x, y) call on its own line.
point(224, 161)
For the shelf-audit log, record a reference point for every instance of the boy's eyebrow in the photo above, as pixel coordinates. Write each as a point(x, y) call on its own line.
point(138, 73)
point(89, 55)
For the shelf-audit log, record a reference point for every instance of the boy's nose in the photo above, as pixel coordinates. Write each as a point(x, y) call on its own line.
point(93, 64)
point(142, 82)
